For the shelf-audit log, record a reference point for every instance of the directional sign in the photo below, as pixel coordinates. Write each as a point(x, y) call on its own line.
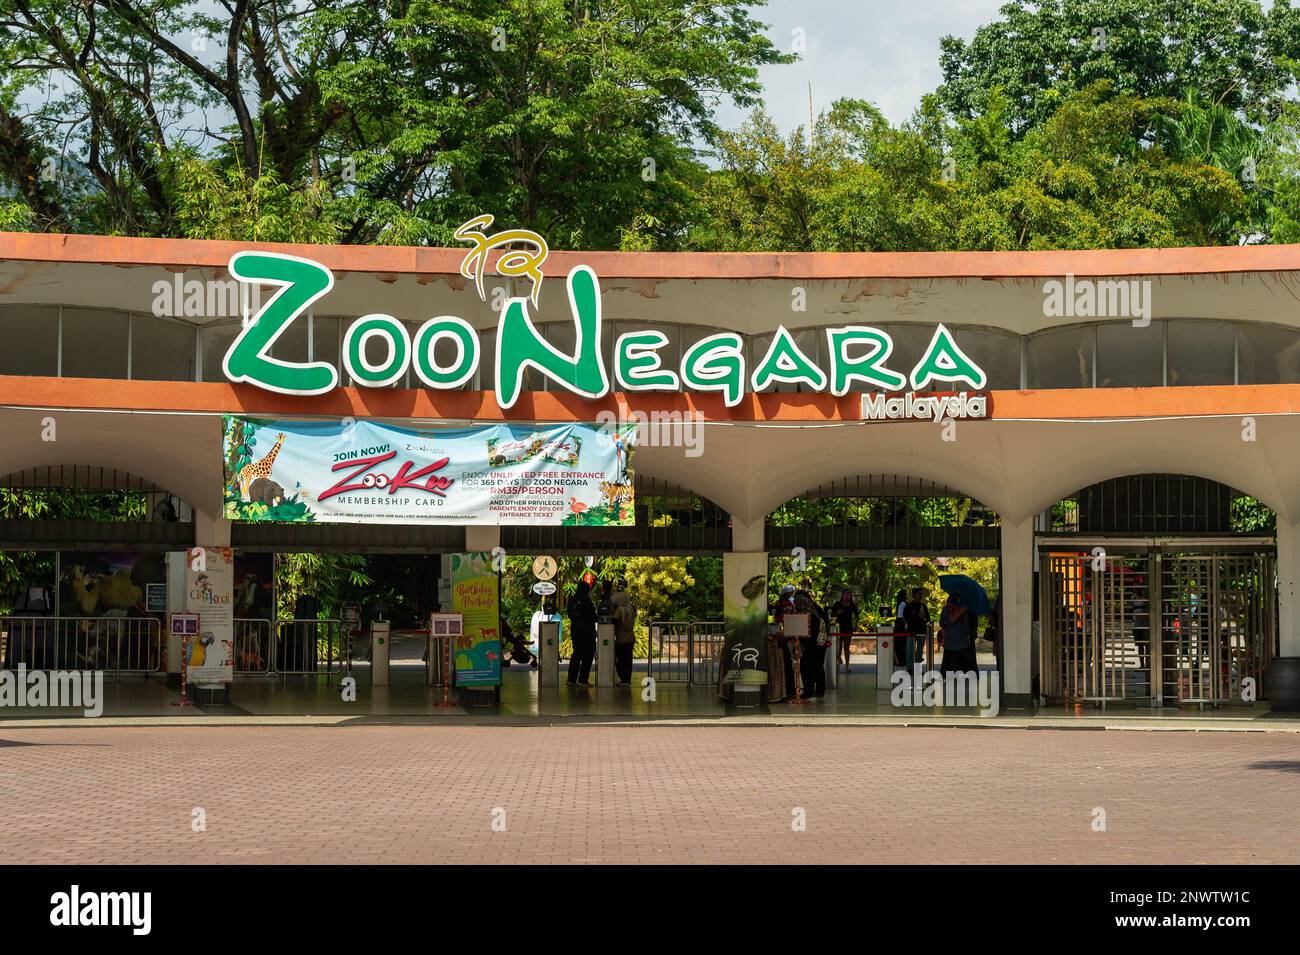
point(544, 568)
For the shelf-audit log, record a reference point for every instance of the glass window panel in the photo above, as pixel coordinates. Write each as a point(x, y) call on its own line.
point(487, 357)
point(161, 350)
point(756, 347)
point(30, 338)
point(292, 343)
point(910, 343)
point(1200, 353)
point(1130, 356)
point(996, 352)
point(1269, 354)
point(216, 342)
point(1061, 358)
point(564, 337)
point(327, 342)
point(94, 343)
point(328, 335)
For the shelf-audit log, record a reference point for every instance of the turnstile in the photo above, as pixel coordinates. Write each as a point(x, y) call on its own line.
point(1154, 624)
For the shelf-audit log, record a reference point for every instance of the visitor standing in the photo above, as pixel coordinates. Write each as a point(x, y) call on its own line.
point(623, 616)
point(958, 627)
point(900, 646)
point(582, 625)
point(812, 663)
point(785, 605)
point(916, 620)
point(845, 612)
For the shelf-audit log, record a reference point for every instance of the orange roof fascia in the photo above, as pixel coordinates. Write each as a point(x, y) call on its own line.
point(178, 254)
point(222, 398)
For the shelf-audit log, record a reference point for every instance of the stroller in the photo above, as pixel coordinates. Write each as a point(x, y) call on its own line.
point(514, 648)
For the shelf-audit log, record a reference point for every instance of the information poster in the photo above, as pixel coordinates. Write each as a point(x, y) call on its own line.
point(209, 592)
point(477, 651)
point(366, 472)
point(155, 598)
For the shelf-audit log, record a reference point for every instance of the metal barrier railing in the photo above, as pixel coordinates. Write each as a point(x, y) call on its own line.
point(668, 658)
point(871, 638)
point(111, 644)
point(308, 647)
point(685, 651)
point(708, 640)
point(253, 647)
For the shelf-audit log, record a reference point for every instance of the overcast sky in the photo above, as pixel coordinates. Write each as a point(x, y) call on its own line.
point(884, 51)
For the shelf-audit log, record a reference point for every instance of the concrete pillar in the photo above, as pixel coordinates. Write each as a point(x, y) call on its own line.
point(175, 604)
point(211, 531)
point(748, 538)
point(1017, 613)
point(1288, 573)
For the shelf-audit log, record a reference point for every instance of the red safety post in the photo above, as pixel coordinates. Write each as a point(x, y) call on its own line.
point(184, 700)
point(446, 673)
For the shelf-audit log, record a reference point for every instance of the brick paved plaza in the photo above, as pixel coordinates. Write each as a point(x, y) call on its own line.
point(645, 794)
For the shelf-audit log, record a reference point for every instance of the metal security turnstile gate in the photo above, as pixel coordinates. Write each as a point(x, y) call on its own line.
point(1217, 624)
point(1151, 624)
point(1096, 627)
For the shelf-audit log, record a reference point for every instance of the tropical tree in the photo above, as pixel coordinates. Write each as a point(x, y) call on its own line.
point(1230, 53)
point(398, 120)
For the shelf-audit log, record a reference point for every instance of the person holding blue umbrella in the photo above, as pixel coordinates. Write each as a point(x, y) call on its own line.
point(959, 622)
point(958, 629)
point(968, 591)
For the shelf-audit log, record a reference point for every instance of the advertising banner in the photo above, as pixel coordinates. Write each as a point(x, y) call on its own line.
point(474, 596)
point(744, 607)
point(209, 592)
point(365, 472)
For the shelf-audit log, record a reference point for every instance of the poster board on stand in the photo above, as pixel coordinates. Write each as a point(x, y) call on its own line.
point(475, 596)
point(445, 631)
point(209, 592)
point(744, 603)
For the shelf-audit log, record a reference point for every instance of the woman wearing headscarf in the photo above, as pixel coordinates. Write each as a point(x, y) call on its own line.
point(623, 617)
point(812, 662)
point(582, 624)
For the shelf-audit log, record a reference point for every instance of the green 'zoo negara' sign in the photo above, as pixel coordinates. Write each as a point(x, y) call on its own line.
point(716, 363)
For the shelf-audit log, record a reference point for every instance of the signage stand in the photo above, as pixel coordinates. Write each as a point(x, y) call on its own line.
point(184, 700)
point(446, 627)
point(185, 626)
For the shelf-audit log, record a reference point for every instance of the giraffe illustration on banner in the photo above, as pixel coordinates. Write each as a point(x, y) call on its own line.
point(258, 469)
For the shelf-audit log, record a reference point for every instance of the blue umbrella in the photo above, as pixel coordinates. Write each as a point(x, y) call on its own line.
point(968, 591)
